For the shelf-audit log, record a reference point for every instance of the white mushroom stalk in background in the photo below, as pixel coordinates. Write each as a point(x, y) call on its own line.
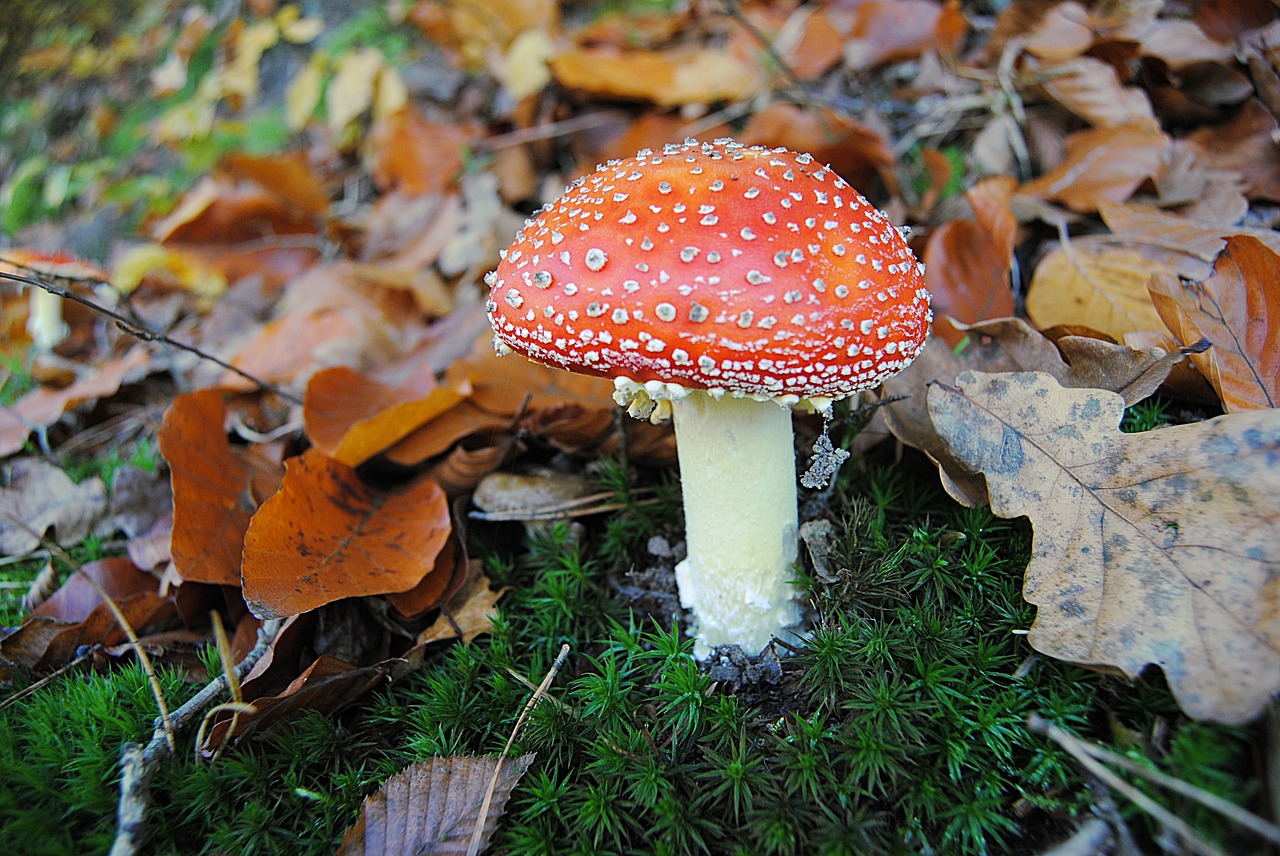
point(721, 285)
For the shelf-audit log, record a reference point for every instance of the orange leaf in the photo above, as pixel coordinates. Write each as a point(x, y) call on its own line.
point(414, 155)
point(852, 149)
point(287, 347)
point(1248, 144)
point(220, 211)
point(327, 535)
point(341, 401)
point(967, 262)
point(1238, 309)
point(289, 176)
point(1102, 165)
point(211, 501)
point(669, 78)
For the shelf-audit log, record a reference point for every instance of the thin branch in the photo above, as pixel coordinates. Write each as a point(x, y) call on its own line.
point(146, 334)
point(1088, 757)
point(138, 763)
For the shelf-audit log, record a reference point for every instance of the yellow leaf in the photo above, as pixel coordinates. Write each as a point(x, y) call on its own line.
point(303, 95)
point(1096, 285)
point(239, 78)
point(524, 68)
point(390, 93)
point(295, 28)
point(183, 269)
point(1153, 548)
point(351, 90)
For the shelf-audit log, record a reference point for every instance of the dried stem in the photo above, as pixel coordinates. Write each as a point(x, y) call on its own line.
point(146, 334)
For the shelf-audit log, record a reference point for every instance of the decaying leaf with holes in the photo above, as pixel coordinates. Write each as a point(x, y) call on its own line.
point(1155, 548)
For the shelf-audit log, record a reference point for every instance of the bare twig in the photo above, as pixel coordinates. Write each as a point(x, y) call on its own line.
point(1090, 756)
point(146, 334)
point(474, 847)
point(138, 763)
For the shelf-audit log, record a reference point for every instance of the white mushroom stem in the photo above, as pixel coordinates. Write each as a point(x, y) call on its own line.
point(738, 477)
point(44, 319)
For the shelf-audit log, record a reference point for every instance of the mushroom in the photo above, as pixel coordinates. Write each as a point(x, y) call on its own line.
point(721, 285)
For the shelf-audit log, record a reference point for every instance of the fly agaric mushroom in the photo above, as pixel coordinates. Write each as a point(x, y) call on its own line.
point(721, 285)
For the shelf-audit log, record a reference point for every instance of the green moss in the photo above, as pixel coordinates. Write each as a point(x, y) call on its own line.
point(899, 727)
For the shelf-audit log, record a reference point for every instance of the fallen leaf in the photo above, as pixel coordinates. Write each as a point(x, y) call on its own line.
point(1185, 246)
point(39, 497)
point(138, 499)
point(211, 498)
point(1238, 310)
point(470, 612)
point(854, 150)
point(901, 30)
point(327, 535)
point(1092, 283)
point(1102, 165)
point(1013, 345)
point(967, 262)
point(42, 407)
point(433, 807)
point(1091, 89)
point(1062, 31)
point(174, 267)
point(447, 575)
point(340, 400)
point(326, 686)
point(289, 176)
point(414, 155)
point(350, 91)
point(668, 78)
point(1152, 548)
point(1248, 143)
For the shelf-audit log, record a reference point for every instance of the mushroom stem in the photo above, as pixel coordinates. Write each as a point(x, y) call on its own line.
point(44, 319)
point(738, 477)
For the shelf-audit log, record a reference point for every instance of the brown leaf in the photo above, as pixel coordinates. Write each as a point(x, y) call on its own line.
point(75, 615)
point(39, 497)
point(217, 211)
point(414, 155)
point(1102, 165)
point(327, 686)
point(1249, 144)
point(1089, 282)
point(1153, 548)
point(1238, 310)
point(447, 575)
point(1063, 30)
point(901, 30)
point(967, 262)
point(211, 499)
point(1091, 89)
point(1185, 246)
point(855, 151)
point(327, 535)
point(432, 807)
point(42, 407)
point(289, 176)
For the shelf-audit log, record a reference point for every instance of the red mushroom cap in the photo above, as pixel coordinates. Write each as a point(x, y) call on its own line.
point(715, 266)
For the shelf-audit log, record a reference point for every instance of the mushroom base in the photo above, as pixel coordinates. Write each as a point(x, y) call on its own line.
point(738, 477)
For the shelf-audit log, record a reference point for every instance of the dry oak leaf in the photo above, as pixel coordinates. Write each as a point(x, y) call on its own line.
point(1012, 345)
point(212, 501)
point(432, 807)
point(1155, 548)
point(1091, 282)
point(1102, 165)
point(327, 536)
point(1238, 310)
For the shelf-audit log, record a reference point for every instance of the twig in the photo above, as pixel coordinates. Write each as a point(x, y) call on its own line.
point(1087, 755)
point(138, 764)
point(474, 847)
point(146, 334)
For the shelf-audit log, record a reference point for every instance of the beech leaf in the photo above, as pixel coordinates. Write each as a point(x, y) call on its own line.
point(327, 535)
point(1154, 548)
point(432, 807)
point(1238, 310)
point(1096, 285)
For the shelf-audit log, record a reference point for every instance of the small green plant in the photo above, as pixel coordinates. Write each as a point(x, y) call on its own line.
point(1148, 414)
